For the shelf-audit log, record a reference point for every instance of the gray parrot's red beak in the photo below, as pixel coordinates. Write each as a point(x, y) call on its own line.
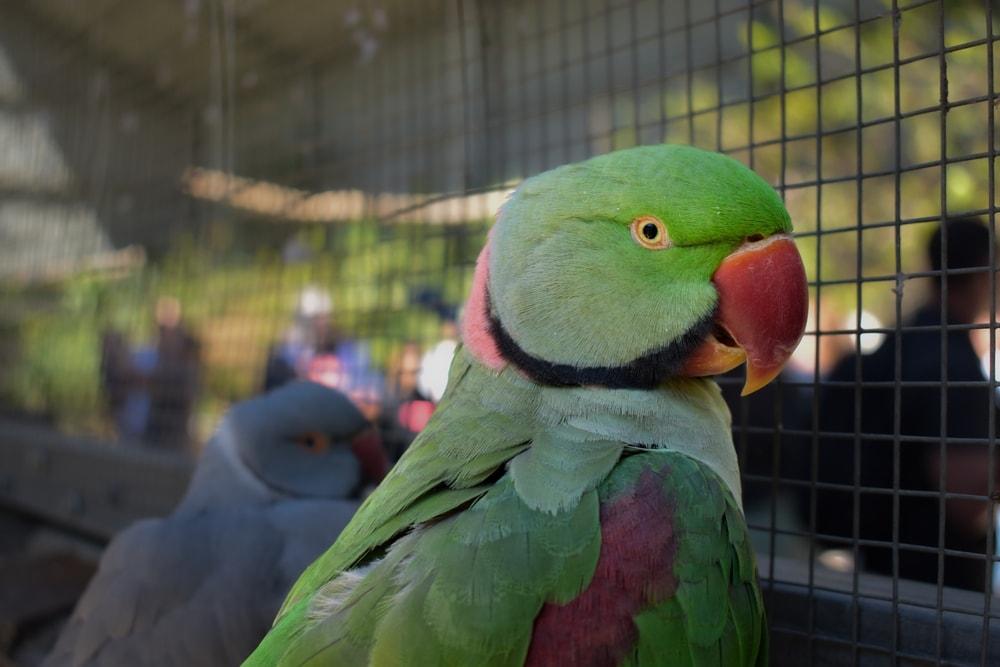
point(761, 315)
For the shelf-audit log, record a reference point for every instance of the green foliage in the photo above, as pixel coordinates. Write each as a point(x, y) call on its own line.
point(51, 373)
point(53, 335)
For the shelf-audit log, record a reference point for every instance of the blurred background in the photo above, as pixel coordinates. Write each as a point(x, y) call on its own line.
point(202, 199)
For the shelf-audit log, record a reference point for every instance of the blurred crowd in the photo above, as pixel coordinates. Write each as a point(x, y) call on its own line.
point(151, 389)
point(399, 401)
point(864, 433)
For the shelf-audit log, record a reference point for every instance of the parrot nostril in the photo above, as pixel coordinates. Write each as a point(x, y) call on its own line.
point(753, 238)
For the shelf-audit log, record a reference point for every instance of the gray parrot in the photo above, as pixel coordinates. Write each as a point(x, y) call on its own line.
point(201, 586)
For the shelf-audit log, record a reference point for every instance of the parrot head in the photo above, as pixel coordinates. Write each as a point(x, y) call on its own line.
point(297, 440)
point(637, 266)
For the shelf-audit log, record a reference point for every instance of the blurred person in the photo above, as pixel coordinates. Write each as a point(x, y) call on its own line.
point(346, 367)
point(921, 359)
point(135, 411)
point(405, 409)
point(274, 487)
point(175, 379)
point(126, 400)
point(313, 349)
point(116, 369)
point(989, 360)
point(309, 332)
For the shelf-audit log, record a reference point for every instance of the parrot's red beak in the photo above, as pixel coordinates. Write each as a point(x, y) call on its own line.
point(761, 316)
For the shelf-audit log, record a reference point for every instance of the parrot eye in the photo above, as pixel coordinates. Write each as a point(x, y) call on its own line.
point(650, 232)
point(317, 443)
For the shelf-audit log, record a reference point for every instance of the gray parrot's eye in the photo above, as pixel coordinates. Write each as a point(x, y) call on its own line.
point(315, 442)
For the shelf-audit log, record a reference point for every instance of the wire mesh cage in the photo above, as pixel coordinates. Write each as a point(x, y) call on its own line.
point(201, 199)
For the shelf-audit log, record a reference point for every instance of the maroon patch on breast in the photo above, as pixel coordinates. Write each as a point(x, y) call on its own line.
point(635, 568)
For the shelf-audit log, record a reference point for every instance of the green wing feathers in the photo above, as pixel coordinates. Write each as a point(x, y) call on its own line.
point(462, 591)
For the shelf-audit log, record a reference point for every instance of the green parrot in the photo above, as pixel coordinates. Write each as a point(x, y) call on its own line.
point(575, 499)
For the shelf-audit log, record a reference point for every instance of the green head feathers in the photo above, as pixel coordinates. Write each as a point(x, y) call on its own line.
point(578, 280)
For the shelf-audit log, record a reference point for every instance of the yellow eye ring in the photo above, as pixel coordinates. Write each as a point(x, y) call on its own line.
point(650, 232)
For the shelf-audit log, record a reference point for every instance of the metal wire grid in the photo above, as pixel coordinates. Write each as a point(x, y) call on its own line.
point(897, 224)
point(498, 91)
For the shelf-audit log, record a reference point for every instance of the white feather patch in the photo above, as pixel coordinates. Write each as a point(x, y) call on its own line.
point(331, 597)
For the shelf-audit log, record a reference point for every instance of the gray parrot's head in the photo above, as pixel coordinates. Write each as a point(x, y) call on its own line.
point(297, 440)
